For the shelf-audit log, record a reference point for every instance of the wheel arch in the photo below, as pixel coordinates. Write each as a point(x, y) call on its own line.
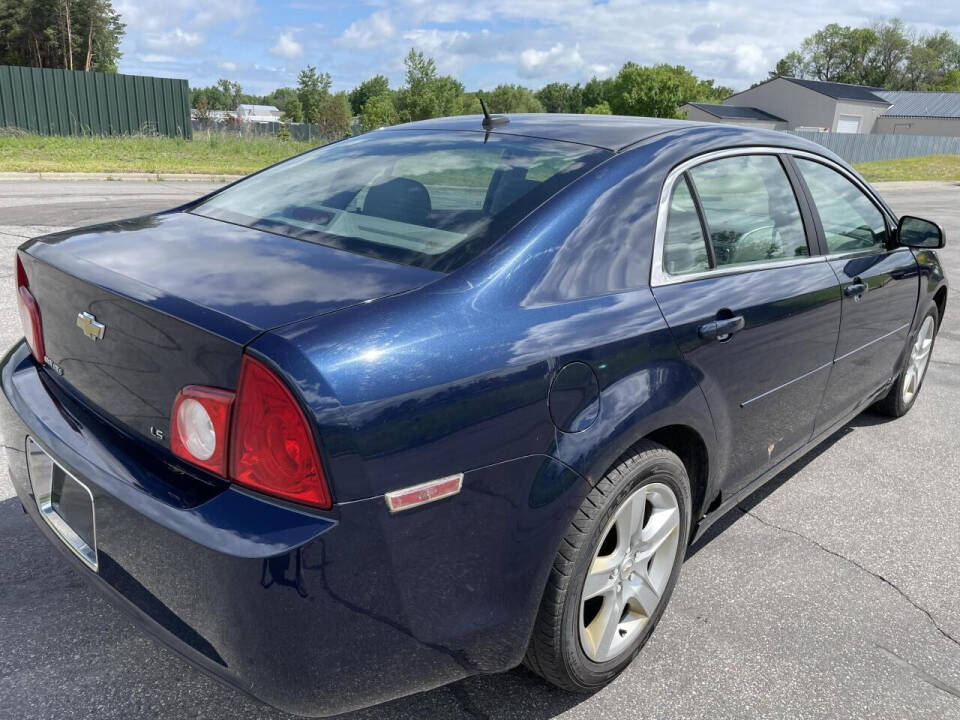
point(940, 300)
point(688, 445)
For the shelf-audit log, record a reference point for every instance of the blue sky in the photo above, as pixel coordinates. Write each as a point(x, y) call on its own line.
point(263, 44)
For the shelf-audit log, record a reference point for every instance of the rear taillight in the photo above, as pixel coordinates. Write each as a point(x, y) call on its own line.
point(200, 426)
point(29, 315)
point(257, 437)
point(272, 448)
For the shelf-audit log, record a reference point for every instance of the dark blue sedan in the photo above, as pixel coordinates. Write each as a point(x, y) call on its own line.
point(454, 395)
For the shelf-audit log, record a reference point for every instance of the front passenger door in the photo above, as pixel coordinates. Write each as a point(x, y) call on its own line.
point(880, 287)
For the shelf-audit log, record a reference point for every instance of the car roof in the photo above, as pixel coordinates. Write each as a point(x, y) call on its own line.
point(610, 132)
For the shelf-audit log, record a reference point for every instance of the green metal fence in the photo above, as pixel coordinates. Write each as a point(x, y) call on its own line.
point(66, 102)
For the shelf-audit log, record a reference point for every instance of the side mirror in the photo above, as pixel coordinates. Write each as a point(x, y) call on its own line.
point(919, 233)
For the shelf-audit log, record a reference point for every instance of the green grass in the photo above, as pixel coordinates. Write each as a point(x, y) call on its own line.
point(930, 167)
point(228, 155)
point(209, 154)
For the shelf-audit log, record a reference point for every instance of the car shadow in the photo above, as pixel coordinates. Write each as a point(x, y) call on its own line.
point(863, 420)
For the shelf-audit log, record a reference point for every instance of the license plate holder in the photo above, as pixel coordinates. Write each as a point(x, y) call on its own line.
point(65, 503)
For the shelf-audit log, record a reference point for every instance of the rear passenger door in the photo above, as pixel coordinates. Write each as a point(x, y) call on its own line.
point(880, 287)
point(752, 308)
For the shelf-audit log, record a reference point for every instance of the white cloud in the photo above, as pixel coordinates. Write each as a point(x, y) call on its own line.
point(156, 58)
point(751, 60)
point(486, 43)
point(287, 47)
point(173, 39)
point(369, 32)
point(558, 59)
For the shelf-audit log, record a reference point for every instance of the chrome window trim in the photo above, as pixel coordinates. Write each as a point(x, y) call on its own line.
point(658, 274)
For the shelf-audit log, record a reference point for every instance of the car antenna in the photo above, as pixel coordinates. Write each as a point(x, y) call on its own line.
point(490, 121)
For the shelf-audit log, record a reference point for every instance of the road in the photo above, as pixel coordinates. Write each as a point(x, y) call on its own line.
point(833, 592)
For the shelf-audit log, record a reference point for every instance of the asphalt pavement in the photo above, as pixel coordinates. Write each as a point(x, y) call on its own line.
point(833, 592)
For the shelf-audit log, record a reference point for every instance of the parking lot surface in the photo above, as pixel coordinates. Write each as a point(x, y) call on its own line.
point(833, 592)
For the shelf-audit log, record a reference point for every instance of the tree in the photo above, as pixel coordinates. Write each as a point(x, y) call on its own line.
point(885, 61)
point(69, 34)
point(378, 112)
point(231, 93)
point(292, 111)
point(791, 65)
point(599, 109)
point(930, 59)
point(427, 94)
point(512, 99)
point(332, 116)
point(886, 54)
point(656, 91)
point(377, 85)
point(559, 97)
point(281, 98)
point(203, 111)
point(312, 88)
point(596, 92)
point(553, 97)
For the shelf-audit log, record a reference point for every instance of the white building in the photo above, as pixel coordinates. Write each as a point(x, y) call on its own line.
point(258, 113)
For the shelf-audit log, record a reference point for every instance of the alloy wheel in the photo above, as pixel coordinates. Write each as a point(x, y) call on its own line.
point(919, 360)
point(629, 571)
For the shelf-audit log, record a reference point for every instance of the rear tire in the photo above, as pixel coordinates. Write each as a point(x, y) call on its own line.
point(628, 541)
point(903, 393)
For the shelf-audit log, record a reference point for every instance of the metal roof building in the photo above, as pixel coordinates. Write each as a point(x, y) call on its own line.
point(784, 103)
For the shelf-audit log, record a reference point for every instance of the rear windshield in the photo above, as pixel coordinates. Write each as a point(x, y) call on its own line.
point(430, 199)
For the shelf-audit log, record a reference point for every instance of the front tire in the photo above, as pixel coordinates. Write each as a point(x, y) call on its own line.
point(903, 393)
point(614, 572)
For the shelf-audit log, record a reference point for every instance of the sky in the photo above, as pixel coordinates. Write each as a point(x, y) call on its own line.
point(263, 44)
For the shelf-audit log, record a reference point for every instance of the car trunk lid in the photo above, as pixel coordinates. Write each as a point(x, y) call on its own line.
point(178, 297)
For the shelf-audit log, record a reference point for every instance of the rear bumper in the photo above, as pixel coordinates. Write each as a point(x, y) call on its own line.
point(313, 613)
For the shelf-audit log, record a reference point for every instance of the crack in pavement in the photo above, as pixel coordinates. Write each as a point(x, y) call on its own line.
point(863, 568)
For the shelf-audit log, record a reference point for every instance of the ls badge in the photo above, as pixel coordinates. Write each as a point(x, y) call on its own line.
point(91, 328)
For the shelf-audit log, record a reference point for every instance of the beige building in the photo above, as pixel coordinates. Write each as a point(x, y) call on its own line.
point(814, 104)
point(920, 113)
point(795, 104)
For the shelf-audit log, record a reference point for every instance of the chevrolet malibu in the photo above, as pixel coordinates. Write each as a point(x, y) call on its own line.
point(453, 395)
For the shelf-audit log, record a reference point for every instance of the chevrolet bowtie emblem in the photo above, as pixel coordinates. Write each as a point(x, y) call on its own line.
point(91, 328)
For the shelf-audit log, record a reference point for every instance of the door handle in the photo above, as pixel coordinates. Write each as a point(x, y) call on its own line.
point(855, 289)
point(722, 329)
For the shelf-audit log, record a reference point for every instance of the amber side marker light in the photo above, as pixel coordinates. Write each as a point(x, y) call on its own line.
point(428, 492)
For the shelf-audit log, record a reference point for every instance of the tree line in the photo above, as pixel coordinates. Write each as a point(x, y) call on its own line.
point(67, 34)
point(655, 91)
point(886, 54)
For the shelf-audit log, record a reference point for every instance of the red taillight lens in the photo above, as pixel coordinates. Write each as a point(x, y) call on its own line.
point(200, 426)
point(29, 315)
point(272, 448)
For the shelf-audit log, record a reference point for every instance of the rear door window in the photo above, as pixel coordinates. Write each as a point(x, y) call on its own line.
point(684, 248)
point(750, 210)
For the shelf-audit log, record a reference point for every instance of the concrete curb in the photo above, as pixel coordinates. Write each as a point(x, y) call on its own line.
point(914, 184)
point(119, 176)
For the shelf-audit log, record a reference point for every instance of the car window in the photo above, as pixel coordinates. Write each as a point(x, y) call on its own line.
point(750, 210)
point(851, 222)
point(430, 199)
point(684, 249)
